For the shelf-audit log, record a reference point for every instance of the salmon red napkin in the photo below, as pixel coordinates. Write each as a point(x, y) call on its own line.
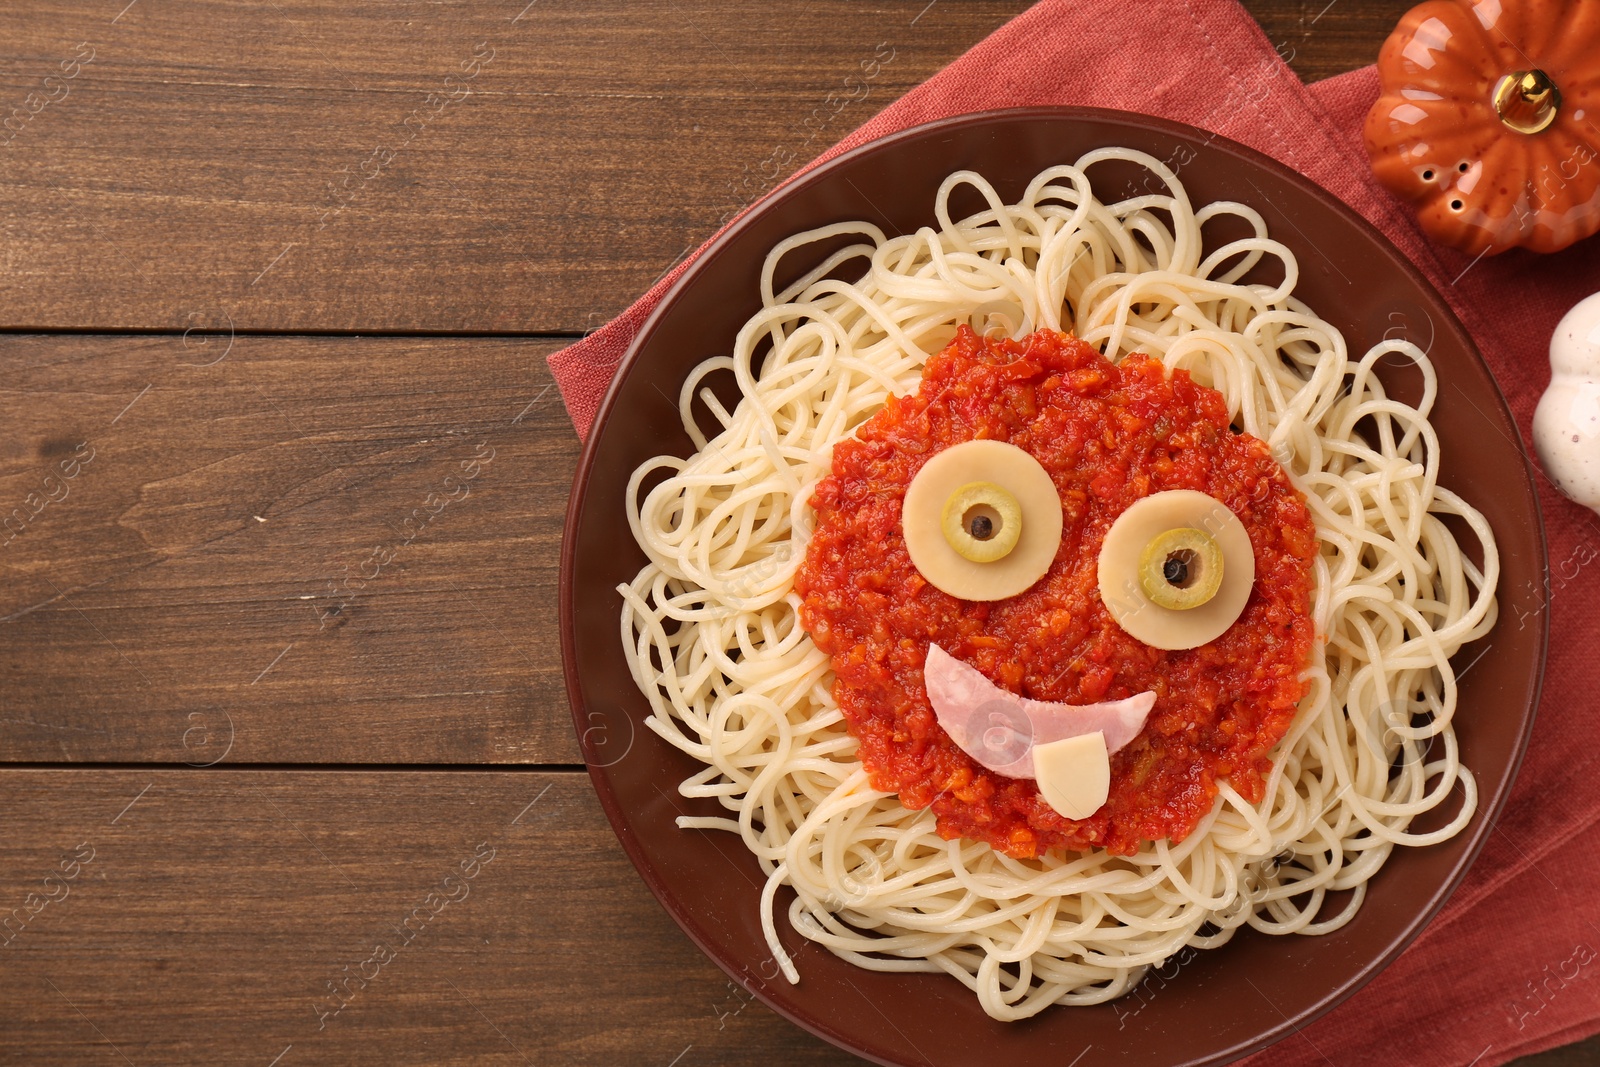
point(1512, 965)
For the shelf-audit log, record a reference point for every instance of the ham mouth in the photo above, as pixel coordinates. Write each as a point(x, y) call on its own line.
point(1000, 729)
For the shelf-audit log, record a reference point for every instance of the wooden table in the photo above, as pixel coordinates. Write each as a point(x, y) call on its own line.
point(270, 275)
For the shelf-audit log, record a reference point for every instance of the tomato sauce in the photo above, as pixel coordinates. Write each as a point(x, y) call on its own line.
point(1109, 435)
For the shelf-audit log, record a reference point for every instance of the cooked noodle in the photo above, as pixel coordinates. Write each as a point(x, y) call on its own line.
point(712, 629)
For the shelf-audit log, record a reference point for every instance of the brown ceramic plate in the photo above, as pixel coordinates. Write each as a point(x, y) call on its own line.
point(1222, 1003)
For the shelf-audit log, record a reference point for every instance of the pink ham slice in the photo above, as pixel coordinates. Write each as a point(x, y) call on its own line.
point(999, 728)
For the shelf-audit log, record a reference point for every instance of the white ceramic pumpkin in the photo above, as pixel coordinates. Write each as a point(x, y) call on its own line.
point(1566, 425)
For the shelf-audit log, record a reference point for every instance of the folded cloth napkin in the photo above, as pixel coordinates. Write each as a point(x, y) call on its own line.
point(1512, 965)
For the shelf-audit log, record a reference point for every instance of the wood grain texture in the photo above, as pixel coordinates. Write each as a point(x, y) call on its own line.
point(412, 165)
point(215, 909)
point(309, 550)
point(245, 564)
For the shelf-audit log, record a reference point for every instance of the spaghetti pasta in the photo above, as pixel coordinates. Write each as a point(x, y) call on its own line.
point(715, 642)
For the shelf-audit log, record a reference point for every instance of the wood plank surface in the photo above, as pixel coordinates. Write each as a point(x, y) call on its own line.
point(207, 914)
point(508, 166)
point(281, 549)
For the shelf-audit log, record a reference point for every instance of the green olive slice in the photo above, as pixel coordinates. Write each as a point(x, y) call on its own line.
point(982, 522)
point(1181, 569)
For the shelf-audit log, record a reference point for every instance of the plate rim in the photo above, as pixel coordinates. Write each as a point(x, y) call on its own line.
point(1487, 815)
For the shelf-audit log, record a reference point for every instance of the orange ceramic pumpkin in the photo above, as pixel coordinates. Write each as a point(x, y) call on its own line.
point(1488, 120)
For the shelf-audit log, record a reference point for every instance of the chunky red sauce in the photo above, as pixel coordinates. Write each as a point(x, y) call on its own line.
point(1108, 434)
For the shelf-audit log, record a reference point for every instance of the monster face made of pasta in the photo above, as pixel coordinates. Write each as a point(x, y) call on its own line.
point(1056, 595)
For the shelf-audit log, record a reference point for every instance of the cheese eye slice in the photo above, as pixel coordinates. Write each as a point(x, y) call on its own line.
point(980, 467)
point(1074, 774)
point(1136, 530)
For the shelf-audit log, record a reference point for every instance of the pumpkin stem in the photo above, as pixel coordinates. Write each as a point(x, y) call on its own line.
point(1527, 100)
